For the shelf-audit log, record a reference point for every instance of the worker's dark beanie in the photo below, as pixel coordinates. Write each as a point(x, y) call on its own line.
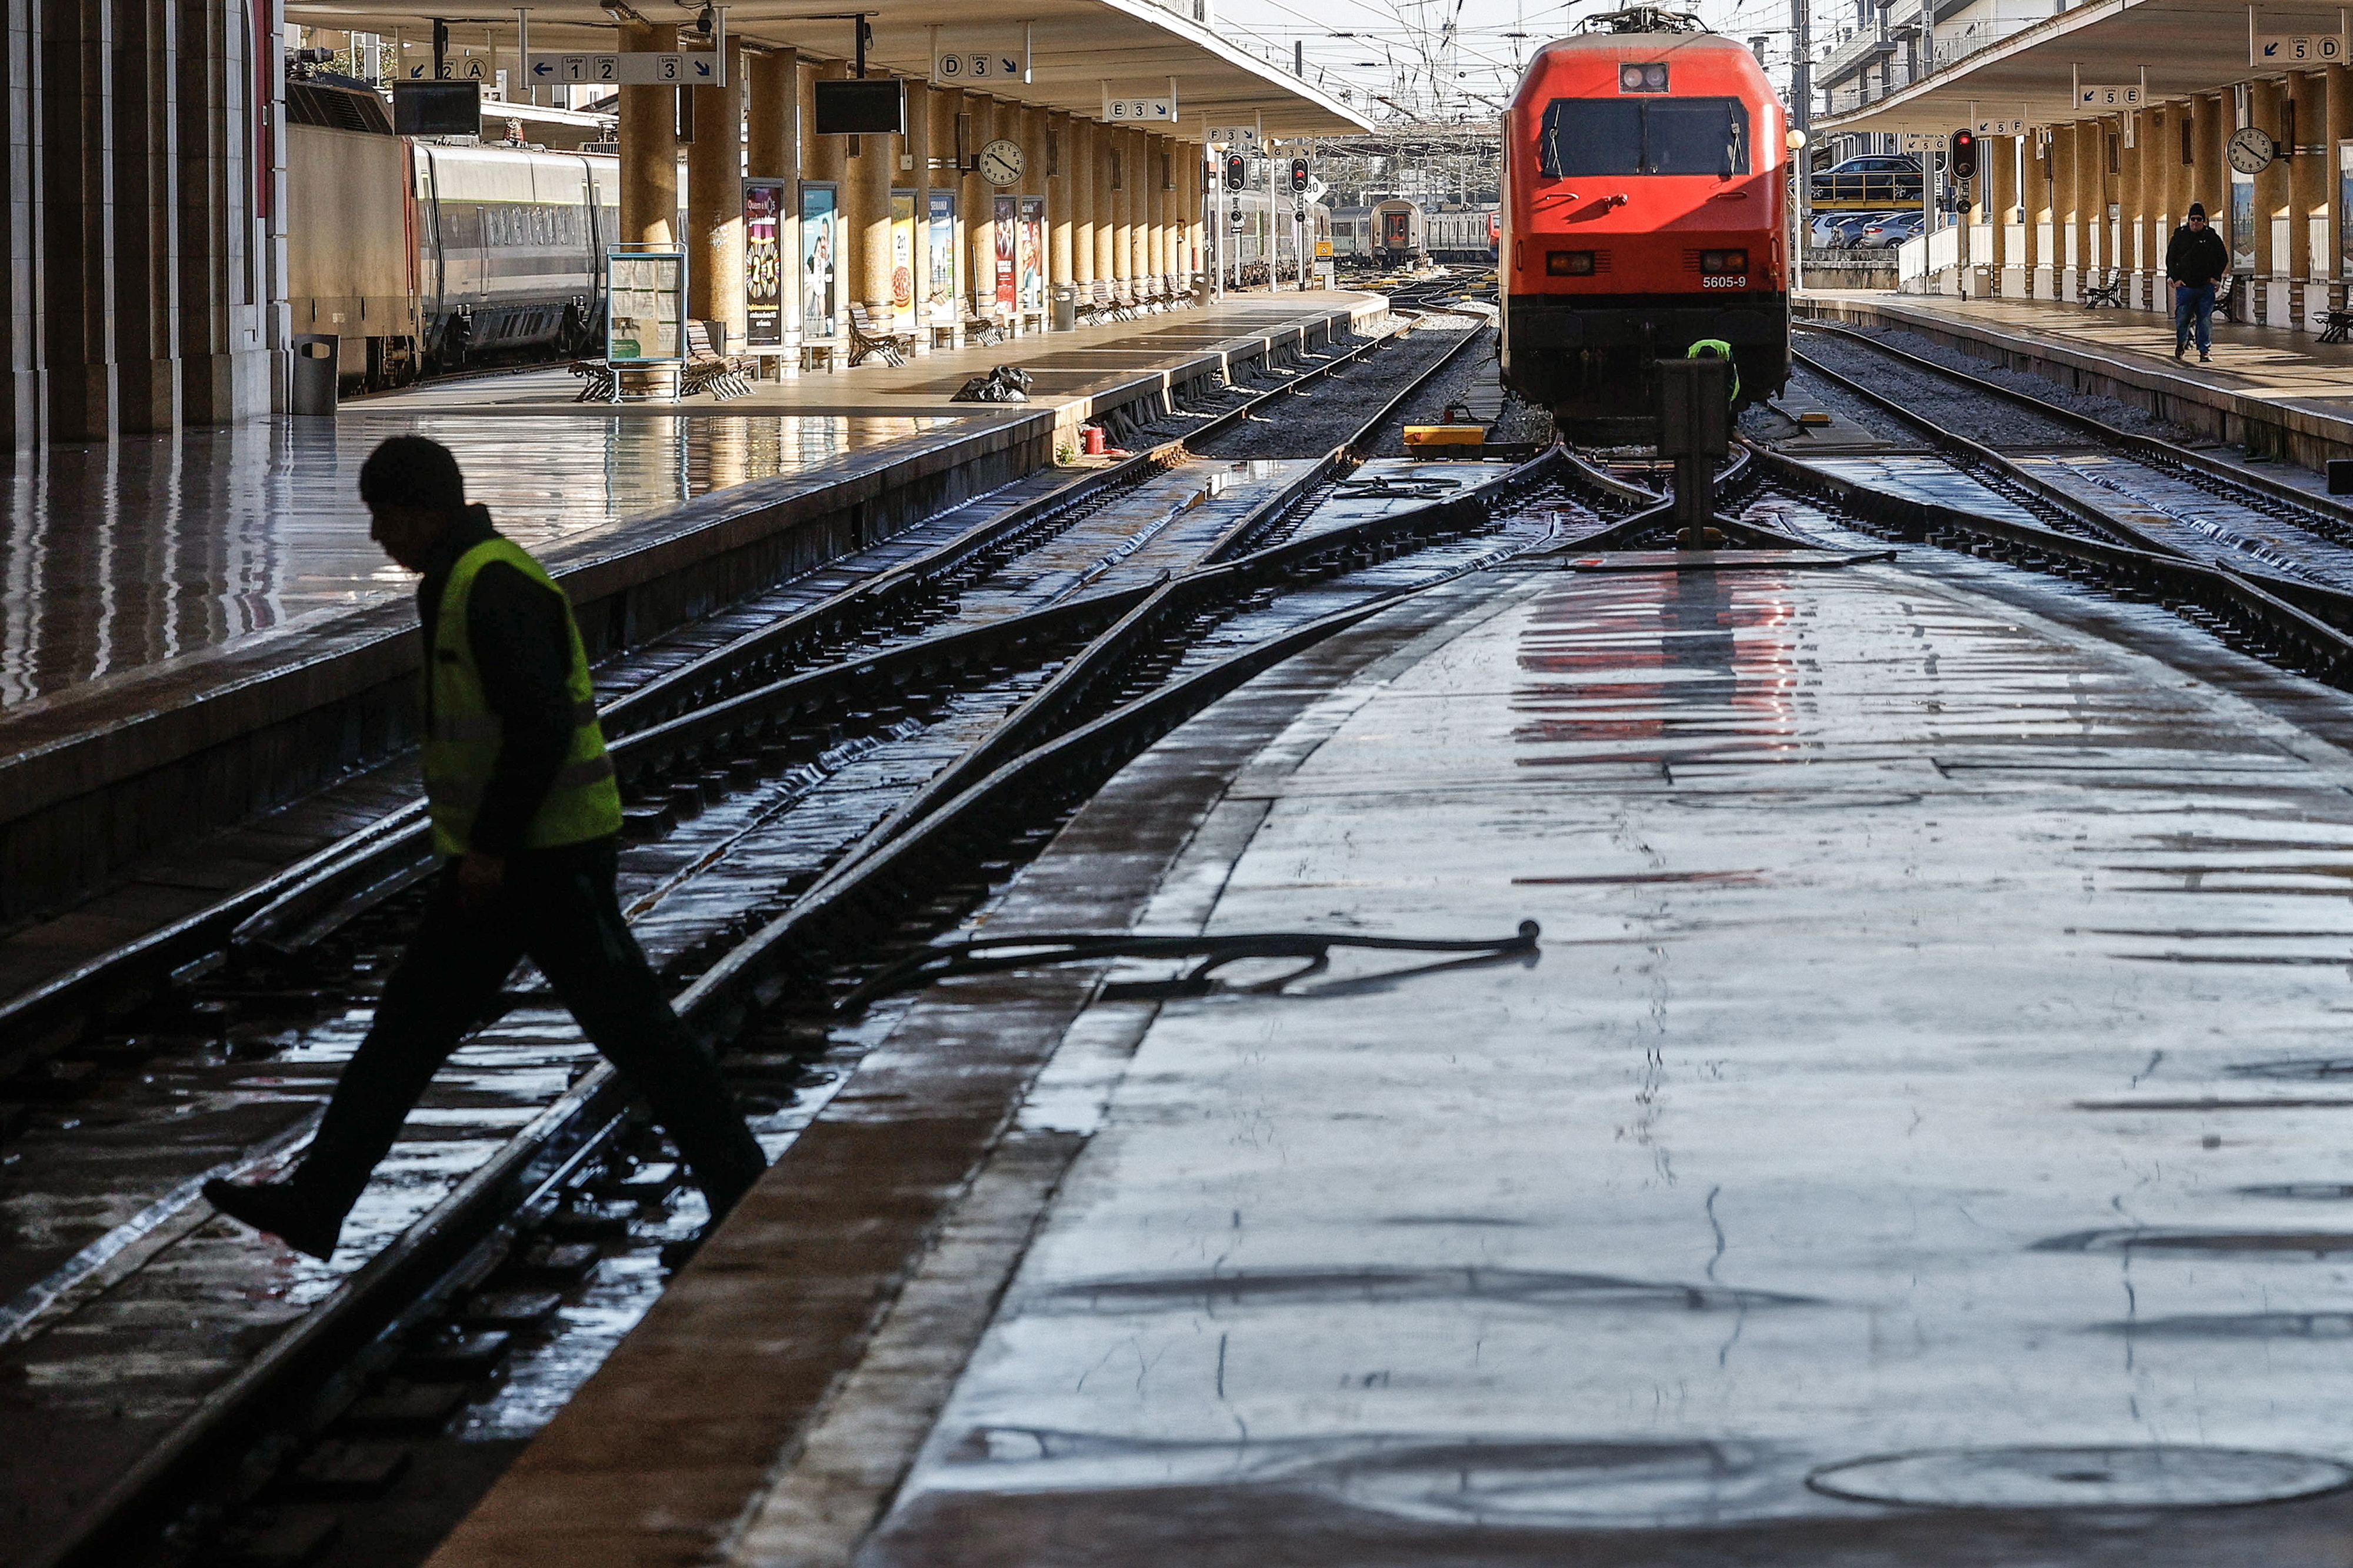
point(410, 470)
point(2197, 209)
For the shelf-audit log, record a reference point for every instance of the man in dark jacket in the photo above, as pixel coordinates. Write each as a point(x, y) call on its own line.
point(525, 814)
point(2195, 259)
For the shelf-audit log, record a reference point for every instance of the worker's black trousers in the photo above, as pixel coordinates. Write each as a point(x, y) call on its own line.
point(558, 908)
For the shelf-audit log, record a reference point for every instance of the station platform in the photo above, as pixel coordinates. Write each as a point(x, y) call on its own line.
point(1914, 1142)
point(2269, 389)
point(195, 629)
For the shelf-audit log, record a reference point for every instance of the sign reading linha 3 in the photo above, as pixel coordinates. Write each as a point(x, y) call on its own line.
point(961, 64)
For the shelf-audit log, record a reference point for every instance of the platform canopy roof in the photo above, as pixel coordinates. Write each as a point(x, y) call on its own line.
point(2184, 46)
point(1076, 49)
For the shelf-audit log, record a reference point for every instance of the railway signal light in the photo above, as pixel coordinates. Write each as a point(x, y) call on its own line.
point(1299, 177)
point(1961, 157)
point(1237, 171)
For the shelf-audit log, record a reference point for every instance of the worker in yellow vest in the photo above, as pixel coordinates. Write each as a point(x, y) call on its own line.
point(525, 816)
point(1716, 348)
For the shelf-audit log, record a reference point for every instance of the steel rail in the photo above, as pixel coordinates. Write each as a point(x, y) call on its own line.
point(2333, 605)
point(303, 901)
point(294, 1373)
point(2321, 649)
point(2333, 518)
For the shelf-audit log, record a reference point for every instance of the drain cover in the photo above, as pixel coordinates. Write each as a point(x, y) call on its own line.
point(2081, 1477)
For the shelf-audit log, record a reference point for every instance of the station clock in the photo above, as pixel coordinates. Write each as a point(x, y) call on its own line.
point(1001, 162)
point(2252, 150)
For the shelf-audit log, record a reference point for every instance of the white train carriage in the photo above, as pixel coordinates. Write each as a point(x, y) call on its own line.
point(1400, 234)
point(1463, 235)
point(1248, 244)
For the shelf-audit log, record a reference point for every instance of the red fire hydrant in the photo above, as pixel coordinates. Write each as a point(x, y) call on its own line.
point(1092, 442)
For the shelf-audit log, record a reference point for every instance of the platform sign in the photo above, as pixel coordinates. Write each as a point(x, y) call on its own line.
point(1158, 106)
point(645, 305)
point(1923, 141)
point(2001, 127)
point(672, 68)
point(1234, 138)
point(2298, 49)
point(2105, 96)
point(966, 63)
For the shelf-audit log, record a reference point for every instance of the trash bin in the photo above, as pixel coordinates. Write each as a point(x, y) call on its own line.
point(1066, 307)
point(317, 368)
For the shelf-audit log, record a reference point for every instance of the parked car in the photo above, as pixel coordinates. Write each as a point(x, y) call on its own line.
point(1838, 231)
point(1891, 178)
point(1889, 231)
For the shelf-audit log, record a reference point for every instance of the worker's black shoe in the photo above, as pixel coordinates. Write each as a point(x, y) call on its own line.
point(674, 1254)
point(2180, 349)
point(280, 1210)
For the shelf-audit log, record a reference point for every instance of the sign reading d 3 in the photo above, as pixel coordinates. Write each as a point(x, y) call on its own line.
point(1001, 162)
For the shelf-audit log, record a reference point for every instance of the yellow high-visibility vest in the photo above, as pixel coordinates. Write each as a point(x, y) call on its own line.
point(1723, 351)
point(462, 734)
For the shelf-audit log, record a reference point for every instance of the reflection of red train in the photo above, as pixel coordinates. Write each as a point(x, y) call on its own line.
point(1643, 212)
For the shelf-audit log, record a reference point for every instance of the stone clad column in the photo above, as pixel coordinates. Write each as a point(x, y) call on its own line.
point(2274, 246)
point(2310, 180)
point(2062, 258)
point(1106, 208)
point(1059, 259)
point(1164, 172)
point(714, 195)
point(1123, 175)
point(648, 136)
point(147, 228)
point(980, 210)
point(941, 291)
point(75, 136)
point(1998, 176)
point(1081, 178)
point(2328, 235)
point(866, 219)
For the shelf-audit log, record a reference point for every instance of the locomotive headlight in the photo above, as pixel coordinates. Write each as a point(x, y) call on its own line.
point(1723, 261)
point(1569, 263)
point(1649, 77)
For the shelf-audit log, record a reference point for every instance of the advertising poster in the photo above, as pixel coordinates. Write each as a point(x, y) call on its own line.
point(1008, 282)
point(903, 260)
point(2243, 225)
point(646, 307)
point(818, 251)
point(764, 262)
point(1033, 253)
point(942, 294)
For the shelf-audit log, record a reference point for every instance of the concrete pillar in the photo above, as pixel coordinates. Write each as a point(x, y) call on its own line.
point(1997, 177)
point(2064, 253)
point(648, 136)
point(979, 206)
point(2328, 252)
point(2310, 181)
point(941, 285)
point(225, 367)
point(1121, 173)
point(867, 220)
point(1081, 155)
point(714, 194)
point(1164, 173)
point(147, 229)
point(1106, 206)
point(1059, 148)
point(24, 388)
point(76, 135)
point(1190, 156)
point(771, 112)
point(2037, 200)
point(2129, 248)
point(2273, 248)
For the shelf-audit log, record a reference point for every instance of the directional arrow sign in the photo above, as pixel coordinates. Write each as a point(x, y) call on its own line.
point(1157, 107)
point(2300, 49)
point(678, 68)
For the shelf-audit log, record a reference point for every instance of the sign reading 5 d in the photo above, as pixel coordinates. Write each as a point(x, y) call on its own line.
point(2297, 48)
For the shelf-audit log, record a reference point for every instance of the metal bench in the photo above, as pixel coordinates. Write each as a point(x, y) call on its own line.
point(708, 370)
point(869, 339)
point(2334, 325)
point(600, 382)
point(980, 327)
point(2108, 293)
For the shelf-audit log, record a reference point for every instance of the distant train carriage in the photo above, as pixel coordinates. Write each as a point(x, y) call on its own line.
point(1246, 244)
point(1463, 235)
point(1398, 237)
point(1352, 233)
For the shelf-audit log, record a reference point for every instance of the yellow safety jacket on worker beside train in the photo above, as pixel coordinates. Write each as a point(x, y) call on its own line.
point(462, 734)
point(1722, 351)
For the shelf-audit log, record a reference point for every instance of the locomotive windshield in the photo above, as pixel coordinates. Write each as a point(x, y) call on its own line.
point(1600, 136)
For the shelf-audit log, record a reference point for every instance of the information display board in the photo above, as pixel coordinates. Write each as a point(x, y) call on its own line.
point(645, 305)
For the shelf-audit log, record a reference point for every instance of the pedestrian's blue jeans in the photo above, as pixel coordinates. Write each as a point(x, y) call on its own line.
point(2193, 302)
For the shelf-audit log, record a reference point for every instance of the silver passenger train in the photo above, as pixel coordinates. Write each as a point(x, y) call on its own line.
point(421, 254)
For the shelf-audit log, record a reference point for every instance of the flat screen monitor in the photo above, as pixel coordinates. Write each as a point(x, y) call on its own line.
point(437, 108)
point(874, 107)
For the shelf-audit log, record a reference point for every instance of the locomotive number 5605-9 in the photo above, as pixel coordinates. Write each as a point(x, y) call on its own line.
point(1723, 282)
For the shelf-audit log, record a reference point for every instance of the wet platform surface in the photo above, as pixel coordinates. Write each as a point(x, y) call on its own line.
point(117, 557)
point(1918, 1141)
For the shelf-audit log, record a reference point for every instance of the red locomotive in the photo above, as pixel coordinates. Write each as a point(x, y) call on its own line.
point(1644, 210)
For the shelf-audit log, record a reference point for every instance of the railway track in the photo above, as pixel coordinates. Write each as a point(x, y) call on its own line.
point(816, 798)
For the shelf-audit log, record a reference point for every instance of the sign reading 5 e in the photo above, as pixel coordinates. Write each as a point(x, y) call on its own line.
point(2122, 95)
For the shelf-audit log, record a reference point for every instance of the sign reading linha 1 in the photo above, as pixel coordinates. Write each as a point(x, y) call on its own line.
point(676, 68)
point(2300, 49)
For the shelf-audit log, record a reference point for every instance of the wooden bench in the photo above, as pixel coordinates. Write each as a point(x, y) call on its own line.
point(2334, 325)
point(708, 370)
point(980, 327)
point(869, 339)
point(2108, 293)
